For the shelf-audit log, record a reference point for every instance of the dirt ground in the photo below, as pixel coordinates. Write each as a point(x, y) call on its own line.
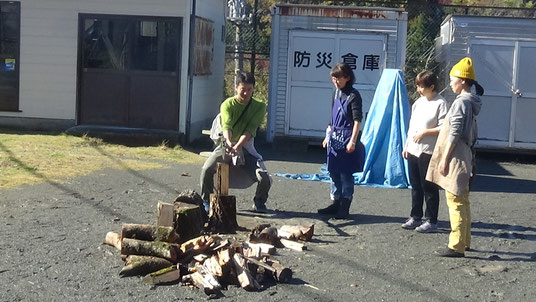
point(51, 238)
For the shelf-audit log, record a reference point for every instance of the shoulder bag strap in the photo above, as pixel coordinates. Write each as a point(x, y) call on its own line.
point(243, 112)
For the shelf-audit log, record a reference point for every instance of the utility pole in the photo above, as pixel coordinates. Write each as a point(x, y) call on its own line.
point(236, 14)
point(254, 46)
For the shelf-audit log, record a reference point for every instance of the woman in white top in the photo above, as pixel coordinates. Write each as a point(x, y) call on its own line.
point(427, 115)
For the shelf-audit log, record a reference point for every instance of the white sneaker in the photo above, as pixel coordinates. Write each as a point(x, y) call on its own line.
point(427, 227)
point(411, 223)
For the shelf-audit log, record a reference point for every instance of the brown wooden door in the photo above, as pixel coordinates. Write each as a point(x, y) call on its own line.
point(128, 71)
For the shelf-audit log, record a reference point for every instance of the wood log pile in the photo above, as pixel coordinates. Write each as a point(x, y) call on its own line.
point(176, 249)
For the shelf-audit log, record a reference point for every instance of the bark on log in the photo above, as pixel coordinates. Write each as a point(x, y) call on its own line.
point(142, 265)
point(222, 216)
point(150, 248)
point(191, 197)
point(149, 233)
point(244, 276)
point(189, 220)
point(113, 239)
point(164, 276)
point(277, 271)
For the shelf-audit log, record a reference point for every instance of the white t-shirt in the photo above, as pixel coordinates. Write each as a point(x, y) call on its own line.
point(425, 114)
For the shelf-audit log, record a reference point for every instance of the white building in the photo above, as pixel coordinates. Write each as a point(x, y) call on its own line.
point(133, 64)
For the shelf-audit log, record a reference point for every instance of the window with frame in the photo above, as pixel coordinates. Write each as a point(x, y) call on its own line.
point(130, 43)
point(9, 55)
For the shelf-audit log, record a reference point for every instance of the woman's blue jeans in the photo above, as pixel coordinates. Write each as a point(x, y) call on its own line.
point(342, 186)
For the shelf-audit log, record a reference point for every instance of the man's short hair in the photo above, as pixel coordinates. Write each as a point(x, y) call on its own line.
point(244, 77)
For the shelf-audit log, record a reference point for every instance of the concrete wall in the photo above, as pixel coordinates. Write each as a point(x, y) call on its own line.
point(207, 90)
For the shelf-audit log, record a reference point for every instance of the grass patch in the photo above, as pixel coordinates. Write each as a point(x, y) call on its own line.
point(35, 158)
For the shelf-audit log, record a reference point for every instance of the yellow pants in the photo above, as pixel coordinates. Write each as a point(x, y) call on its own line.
point(460, 221)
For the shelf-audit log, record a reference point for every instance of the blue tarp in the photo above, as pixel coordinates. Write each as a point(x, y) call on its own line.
point(384, 133)
point(384, 136)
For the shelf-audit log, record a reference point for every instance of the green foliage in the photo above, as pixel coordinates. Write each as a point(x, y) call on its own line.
point(420, 50)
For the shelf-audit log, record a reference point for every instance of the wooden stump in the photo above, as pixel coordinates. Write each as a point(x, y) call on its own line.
point(188, 221)
point(222, 216)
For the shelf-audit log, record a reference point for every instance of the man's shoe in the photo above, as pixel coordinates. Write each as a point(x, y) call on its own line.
point(259, 207)
point(331, 209)
point(449, 253)
point(344, 209)
point(411, 223)
point(427, 227)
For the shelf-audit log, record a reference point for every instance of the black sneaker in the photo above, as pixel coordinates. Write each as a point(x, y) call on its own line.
point(449, 253)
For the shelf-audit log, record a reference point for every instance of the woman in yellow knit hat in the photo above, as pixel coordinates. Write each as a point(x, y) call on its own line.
point(453, 160)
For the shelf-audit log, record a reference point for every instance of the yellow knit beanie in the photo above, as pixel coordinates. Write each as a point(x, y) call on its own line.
point(464, 69)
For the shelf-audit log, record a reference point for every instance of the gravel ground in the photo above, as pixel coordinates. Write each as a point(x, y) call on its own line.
point(51, 238)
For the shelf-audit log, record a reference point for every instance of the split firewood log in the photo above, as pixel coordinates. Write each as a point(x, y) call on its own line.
point(113, 239)
point(150, 248)
point(165, 214)
point(197, 246)
point(149, 233)
point(277, 271)
point(253, 252)
point(197, 243)
point(164, 276)
point(264, 247)
point(213, 266)
point(206, 282)
point(244, 276)
point(226, 262)
point(296, 232)
point(293, 245)
point(142, 265)
point(225, 257)
point(200, 258)
point(265, 235)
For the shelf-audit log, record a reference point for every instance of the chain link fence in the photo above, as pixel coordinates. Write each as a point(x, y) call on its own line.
point(248, 40)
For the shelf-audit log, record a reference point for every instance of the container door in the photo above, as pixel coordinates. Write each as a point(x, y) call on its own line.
point(525, 121)
point(311, 57)
point(494, 62)
point(506, 70)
